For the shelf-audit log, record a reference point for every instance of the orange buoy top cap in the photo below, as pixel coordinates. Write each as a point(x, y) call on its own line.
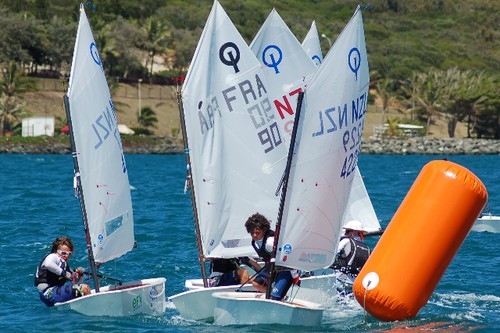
point(354, 225)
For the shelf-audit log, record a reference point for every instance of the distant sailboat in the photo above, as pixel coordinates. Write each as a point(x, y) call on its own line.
point(318, 180)
point(101, 182)
point(312, 45)
point(287, 68)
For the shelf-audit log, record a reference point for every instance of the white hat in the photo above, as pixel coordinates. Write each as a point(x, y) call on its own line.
point(354, 225)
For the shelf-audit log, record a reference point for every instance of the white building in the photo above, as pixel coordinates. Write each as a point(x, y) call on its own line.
point(36, 126)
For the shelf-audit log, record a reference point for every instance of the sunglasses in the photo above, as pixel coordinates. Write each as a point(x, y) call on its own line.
point(64, 253)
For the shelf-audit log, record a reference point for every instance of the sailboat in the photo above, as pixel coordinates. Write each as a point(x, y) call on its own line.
point(101, 182)
point(289, 67)
point(312, 45)
point(319, 173)
point(292, 71)
point(235, 152)
point(359, 206)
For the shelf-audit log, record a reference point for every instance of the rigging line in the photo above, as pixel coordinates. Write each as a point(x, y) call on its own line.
point(189, 179)
point(102, 276)
point(250, 278)
point(83, 209)
point(291, 149)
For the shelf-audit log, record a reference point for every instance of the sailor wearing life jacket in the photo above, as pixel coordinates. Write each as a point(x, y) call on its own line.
point(53, 272)
point(259, 228)
point(352, 252)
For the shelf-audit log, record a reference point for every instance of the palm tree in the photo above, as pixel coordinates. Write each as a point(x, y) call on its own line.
point(428, 93)
point(12, 86)
point(384, 91)
point(486, 108)
point(392, 128)
point(156, 32)
point(147, 118)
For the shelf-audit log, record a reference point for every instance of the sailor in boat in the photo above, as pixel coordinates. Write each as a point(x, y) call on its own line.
point(259, 228)
point(227, 272)
point(352, 252)
point(54, 272)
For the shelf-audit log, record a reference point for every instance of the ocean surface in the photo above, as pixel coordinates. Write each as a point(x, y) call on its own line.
point(37, 205)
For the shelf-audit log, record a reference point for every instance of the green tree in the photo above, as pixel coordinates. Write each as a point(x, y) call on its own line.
point(61, 38)
point(147, 118)
point(427, 96)
point(384, 91)
point(124, 52)
point(487, 108)
point(155, 38)
point(184, 44)
point(13, 85)
point(392, 128)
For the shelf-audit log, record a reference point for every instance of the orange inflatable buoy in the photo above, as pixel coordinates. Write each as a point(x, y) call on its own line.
point(420, 241)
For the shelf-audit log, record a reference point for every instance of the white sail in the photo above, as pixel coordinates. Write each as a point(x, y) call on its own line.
point(360, 207)
point(325, 155)
point(103, 172)
point(236, 149)
point(287, 67)
point(312, 45)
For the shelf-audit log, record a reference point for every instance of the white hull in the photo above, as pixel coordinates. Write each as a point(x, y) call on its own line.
point(320, 289)
point(197, 303)
point(253, 308)
point(489, 223)
point(137, 297)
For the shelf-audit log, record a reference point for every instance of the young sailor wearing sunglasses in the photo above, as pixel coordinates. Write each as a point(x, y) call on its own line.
point(53, 272)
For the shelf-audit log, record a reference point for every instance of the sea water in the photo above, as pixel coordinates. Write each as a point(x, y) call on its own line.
point(37, 205)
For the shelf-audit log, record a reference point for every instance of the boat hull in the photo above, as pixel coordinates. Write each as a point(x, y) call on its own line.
point(320, 289)
point(489, 223)
point(197, 303)
point(136, 297)
point(240, 308)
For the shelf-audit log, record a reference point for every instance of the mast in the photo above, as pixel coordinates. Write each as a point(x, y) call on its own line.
point(79, 192)
point(189, 183)
point(284, 187)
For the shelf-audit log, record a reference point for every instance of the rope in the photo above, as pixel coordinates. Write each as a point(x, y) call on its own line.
point(292, 296)
point(364, 306)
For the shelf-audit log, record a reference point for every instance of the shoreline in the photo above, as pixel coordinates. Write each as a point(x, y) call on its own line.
point(388, 146)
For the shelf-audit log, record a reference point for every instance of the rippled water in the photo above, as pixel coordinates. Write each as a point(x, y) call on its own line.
point(37, 205)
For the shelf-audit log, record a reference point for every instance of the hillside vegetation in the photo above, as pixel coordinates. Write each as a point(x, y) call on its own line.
point(414, 47)
point(402, 36)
